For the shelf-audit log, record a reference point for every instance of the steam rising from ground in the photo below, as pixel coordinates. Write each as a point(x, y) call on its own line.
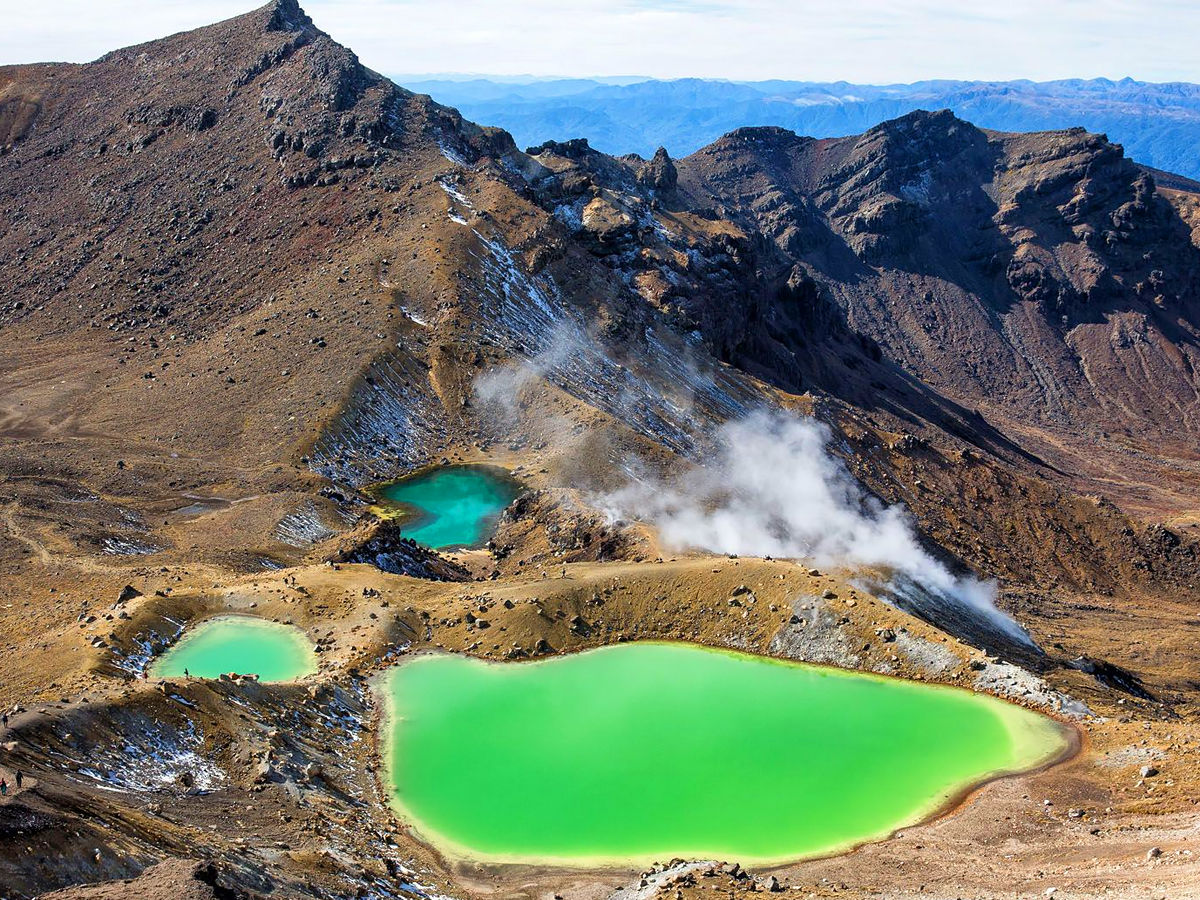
point(772, 489)
point(768, 488)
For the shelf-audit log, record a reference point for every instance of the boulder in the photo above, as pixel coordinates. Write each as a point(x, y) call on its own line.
point(263, 772)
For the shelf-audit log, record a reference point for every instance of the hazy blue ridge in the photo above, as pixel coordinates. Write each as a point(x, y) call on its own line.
point(1158, 124)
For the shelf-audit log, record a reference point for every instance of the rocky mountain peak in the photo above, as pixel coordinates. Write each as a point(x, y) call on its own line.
point(759, 141)
point(575, 148)
point(761, 134)
point(905, 153)
point(286, 15)
point(924, 121)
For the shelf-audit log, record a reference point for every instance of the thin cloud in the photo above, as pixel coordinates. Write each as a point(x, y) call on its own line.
point(879, 41)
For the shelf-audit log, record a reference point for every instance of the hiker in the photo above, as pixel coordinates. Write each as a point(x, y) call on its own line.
point(3, 787)
point(186, 673)
point(4, 720)
point(20, 778)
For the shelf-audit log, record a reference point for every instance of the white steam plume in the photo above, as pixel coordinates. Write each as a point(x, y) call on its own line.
point(772, 489)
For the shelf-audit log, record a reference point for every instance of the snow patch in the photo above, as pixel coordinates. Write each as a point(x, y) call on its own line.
point(155, 760)
point(120, 546)
point(303, 527)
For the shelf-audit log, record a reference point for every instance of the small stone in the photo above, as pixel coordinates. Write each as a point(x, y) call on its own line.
point(1148, 771)
point(1153, 853)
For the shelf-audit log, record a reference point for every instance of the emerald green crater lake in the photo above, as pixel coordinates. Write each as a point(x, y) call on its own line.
point(241, 644)
point(648, 751)
point(454, 506)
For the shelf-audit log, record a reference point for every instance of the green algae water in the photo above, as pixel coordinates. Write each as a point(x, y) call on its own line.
point(242, 644)
point(648, 751)
point(454, 506)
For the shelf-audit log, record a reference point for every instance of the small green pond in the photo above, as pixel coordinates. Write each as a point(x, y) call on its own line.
point(648, 751)
point(242, 644)
point(454, 506)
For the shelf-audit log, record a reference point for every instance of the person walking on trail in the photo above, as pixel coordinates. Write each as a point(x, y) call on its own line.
point(20, 778)
point(3, 787)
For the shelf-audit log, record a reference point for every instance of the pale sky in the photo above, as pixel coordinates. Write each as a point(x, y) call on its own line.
point(869, 41)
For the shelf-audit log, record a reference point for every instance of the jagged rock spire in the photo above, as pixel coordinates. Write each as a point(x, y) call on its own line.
point(286, 15)
point(659, 173)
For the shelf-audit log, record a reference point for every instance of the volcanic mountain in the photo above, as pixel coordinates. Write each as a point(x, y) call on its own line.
point(246, 278)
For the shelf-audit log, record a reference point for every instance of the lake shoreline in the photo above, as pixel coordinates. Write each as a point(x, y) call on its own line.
point(400, 500)
point(201, 630)
point(455, 854)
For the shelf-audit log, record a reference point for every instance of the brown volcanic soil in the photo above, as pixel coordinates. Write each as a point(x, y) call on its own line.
point(294, 829)
point(240, 289)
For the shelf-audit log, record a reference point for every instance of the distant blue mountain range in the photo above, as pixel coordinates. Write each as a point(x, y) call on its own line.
point(1159, 124)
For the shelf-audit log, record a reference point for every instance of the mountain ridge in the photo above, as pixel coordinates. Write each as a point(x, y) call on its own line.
point(1158, 122)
